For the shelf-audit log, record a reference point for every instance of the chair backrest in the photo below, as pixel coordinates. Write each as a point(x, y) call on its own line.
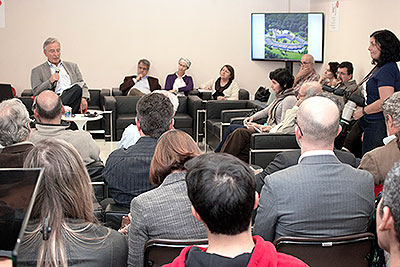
point(351, 250)
point(158, 252)
point(5, 92)
point(127, 104)
point(265, 146)
point(244, 94)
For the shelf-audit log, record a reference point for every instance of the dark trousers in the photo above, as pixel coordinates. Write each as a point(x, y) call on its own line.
point(72, 97)
point(374, 132)
point(231, 128)
point(238, 144)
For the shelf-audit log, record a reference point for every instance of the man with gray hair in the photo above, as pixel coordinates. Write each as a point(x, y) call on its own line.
point(380, 160)
point(14, 133)
point(62, 77)
point(388, 216)
point(306, 73)
point(320, 196)
point(48, 111)
point(141, 83)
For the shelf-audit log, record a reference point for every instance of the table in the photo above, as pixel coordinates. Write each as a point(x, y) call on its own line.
point(81, 120)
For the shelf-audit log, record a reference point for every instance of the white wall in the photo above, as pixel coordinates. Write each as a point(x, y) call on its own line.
point(357, 20)
point(106, 38)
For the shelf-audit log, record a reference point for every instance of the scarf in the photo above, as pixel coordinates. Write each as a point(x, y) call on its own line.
point(220, 89)
point(279, 98)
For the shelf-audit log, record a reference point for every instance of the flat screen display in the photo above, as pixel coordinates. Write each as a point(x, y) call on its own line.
point(287, 36)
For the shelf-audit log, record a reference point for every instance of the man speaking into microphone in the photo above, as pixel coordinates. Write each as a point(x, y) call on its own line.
point(62, 77)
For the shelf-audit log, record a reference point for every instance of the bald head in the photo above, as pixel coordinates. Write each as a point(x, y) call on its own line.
point(48, 107)
point(318, 118)
point(307, 58)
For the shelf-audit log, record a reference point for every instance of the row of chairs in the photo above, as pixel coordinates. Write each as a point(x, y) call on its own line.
point(352, 250)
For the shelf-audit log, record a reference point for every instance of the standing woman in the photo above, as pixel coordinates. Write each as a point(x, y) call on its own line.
point(224, 87)
point(178, 82)
point(384, 80)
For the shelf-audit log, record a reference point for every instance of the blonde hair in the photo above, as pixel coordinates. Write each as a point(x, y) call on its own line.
point(64, 193)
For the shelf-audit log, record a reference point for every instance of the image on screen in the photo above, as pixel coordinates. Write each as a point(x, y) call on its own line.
point(287, 36)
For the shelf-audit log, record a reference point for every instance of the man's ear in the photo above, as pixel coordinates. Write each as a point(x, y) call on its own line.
point(137, 124)
point(339, 130)
point(195, 214)
point(36, 114)
point(62, 110)
point(256, 200)
point(389, 120)
point(171, 125)
point(387, 222)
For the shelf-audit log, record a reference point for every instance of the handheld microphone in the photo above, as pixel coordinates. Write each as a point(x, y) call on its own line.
point(54, 84)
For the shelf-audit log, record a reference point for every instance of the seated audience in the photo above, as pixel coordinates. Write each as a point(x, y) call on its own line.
point(330, 75)
point(61, 231)
point(127, 170)
point(345, 76)
point(141, 83)
point(164, 212)
point(388, 216)
point(306, 73)
point(14, 133)
point(380, 160)
point(222, 192)
point(131, 133)
point(178, 82)
point(224, 87)
point(48, 111)
point(320, 196)
point(62, 77)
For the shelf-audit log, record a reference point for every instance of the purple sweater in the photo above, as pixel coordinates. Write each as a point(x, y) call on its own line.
point(169, 83)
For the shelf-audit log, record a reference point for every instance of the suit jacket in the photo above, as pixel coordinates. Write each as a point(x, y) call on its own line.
point(319, 197)
point(286, 159)
point(128, 83)
point(380, 161)
point(40, 76)
point(164, 212)
point(13, 156)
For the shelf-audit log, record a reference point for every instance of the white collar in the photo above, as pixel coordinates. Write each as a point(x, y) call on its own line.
point(388, 139)
point(315, 153)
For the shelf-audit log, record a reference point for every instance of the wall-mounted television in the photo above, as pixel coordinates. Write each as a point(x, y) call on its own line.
point(287, 36)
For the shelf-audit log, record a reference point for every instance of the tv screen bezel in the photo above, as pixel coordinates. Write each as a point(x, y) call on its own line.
point(289, 60)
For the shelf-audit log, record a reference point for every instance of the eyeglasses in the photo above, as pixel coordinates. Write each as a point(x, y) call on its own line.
point(298, 126)
point(303, 63)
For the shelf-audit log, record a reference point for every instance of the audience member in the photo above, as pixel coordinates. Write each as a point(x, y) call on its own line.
point(222, 191)
point(178, 82)
point(14, 133)
point(380, 160)
point(330, 75)
point(62, 77)
point(61, 231)
point(320, 196)
point(141, 83)
point(281, 85)
point(131, 133)
point(387, 216)
point(48, 111)
point(238, 143)
point(165, 212)
point(127, 170)
point(345, 75)
point(306, 73)
point(224, 87)
point(384, 79)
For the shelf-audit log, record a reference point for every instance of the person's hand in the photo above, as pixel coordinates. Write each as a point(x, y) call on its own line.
point(125, 224)
point(265, 128)
point(139, 77)
point(207, 88)
point(54, 77)
point(84, 105)
point(357, 114)
point(251, 126)
point(174, 90)
point(304, 71)
point(248, 120)
point(221, 98)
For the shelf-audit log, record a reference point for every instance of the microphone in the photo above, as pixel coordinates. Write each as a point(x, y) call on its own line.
point(54, 84)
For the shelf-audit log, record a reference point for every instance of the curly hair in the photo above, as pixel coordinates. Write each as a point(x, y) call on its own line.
point(389, 45)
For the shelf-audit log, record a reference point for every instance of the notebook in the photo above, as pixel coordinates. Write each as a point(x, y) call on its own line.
point(18, 190)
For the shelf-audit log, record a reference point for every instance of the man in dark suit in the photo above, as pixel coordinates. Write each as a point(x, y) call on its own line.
point(320, 196)
point(141, 83)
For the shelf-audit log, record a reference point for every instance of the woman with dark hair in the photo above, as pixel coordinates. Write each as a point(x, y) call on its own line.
point(165, 212)
point(224, 87)
point(237, 137)
point(383, 81)
point(61, 230)
point(330, 77)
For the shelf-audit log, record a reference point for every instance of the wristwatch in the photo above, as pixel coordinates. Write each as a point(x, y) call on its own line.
point(363, 111)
